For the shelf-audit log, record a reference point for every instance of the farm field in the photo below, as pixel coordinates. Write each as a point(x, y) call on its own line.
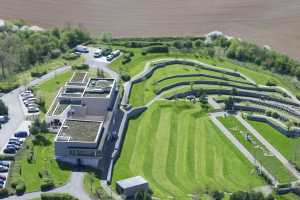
point(180, 157)
point(271, 163)
point(289, 147)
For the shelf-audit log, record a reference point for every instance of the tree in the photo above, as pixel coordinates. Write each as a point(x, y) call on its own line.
point(216, 195)
point(3, 108)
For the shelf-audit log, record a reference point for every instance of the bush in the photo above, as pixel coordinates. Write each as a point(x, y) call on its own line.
point(125, 77)
point(156, 49)
point(3, 193)
point(30, 157)
point(270, 83)
point(43, 173)
point(57, 196)
point(7, 157)
point(47, 184)
point(275, 115)
point(71, 56)
point(126, 59)
point(20, 188)
point(81, 67)
point(3, 108)
point(38, 74)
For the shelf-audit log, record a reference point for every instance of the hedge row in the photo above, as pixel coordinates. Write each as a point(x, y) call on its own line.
point(57, 196)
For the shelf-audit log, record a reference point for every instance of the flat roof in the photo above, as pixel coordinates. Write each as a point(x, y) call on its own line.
point(74, 130)
point(99, 87)
point(132, 182)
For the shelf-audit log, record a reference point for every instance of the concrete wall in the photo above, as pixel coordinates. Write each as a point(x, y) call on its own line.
point(292, 133)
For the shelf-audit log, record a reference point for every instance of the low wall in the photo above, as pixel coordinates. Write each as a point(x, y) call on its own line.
point(121, 137)
point(294, 132)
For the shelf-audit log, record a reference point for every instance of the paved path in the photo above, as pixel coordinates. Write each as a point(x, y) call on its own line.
point(235, 142)
point(270, 148)
point(74, 187)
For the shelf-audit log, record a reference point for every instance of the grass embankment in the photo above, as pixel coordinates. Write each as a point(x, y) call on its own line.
point(289, 147)
point(146, 89)
point(179, 151)
point(43, 159)
point(270, 162)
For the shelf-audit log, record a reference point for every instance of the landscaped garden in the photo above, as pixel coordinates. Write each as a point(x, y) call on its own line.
point(179, 151)
point(36, 167)
point(289, 147)
point(258, 150)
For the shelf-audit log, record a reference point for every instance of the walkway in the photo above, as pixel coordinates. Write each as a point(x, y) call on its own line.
point(235, 142)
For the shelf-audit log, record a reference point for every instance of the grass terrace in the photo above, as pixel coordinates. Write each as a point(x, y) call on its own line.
point(77, 130)
point(289, 147)
point(269, 161)
point(179, 151)
point(78, 77)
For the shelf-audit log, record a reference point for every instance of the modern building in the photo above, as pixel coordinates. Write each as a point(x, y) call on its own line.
point(131, 186)
point(83, 115)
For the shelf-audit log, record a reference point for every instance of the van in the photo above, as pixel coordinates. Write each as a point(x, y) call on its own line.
point(21, 134)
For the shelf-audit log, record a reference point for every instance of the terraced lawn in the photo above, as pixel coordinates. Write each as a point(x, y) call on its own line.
point(289, 147)
point(146, 89)
point(270, 162)
point(179, 151)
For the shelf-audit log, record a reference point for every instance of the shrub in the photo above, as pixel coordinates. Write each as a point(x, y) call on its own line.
point(30, 157)
point(20, 188)
point(156, 49)
point(126, 59)
point(269, 113)
point(125, 77)
point(3, 108)
point(3, 193)
point(275, 115)
point(80, 67)
point(43, 173)
point(57, 196)
point(38, 74)
point(71, 56)
point(7, 157)
point(47, 184)
point(270, 83)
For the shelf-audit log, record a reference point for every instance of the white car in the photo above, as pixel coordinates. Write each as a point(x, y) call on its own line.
point(27, 92)
point(25, 97)
point(33, 109)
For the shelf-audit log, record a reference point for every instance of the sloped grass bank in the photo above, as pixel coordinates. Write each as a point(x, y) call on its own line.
point(179, 151)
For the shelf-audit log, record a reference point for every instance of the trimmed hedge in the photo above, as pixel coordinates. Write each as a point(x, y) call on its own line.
point(80, 67)
point(57, 196)
point(47, 184)
point(20, 188)
point(156, 49)
point(3, 192)
point(71, 56)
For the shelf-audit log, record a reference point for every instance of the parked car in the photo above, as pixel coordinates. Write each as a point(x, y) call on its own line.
point(31, 105)
point(10, 150)
point(27, 92)
point(110, 57)
point(3, 169)
point(15, 139)
point(27, 96)
point(21, 134)
point(81, 49)
point(33, 109)
point(1, 181)
point(2, 177)
point(3, 119)
point(4, 163)
point(97, 55)
point(14, 143)
point(12, 146)
point(1, 185)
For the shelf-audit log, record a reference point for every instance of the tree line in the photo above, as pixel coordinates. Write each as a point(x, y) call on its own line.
point(23, 49)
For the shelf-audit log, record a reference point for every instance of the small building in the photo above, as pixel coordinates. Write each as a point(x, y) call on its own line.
point(131, 186)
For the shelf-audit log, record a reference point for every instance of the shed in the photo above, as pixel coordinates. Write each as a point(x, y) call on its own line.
point(129, 187)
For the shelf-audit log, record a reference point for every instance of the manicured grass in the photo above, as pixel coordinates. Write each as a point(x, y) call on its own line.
point(48, 89)
point(271, 163)
point(179, 151)
point(43, 159)
point(289, 147)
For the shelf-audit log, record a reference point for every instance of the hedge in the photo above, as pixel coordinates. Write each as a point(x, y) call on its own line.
point(80, 67)
point(20, 188)
point(156, 49)
point(47, 184)
point(57, 196)
point(71, 56)
point(38, 74)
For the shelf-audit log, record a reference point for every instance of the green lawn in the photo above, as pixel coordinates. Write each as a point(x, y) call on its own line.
point(43, 160)
point(179, 151)
point(289, 147)
point(92, 186)
point(271, 163)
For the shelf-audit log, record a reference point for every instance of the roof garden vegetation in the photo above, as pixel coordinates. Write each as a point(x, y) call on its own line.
point(85, 131)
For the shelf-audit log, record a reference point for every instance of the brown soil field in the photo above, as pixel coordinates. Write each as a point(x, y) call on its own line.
point(272, 22)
